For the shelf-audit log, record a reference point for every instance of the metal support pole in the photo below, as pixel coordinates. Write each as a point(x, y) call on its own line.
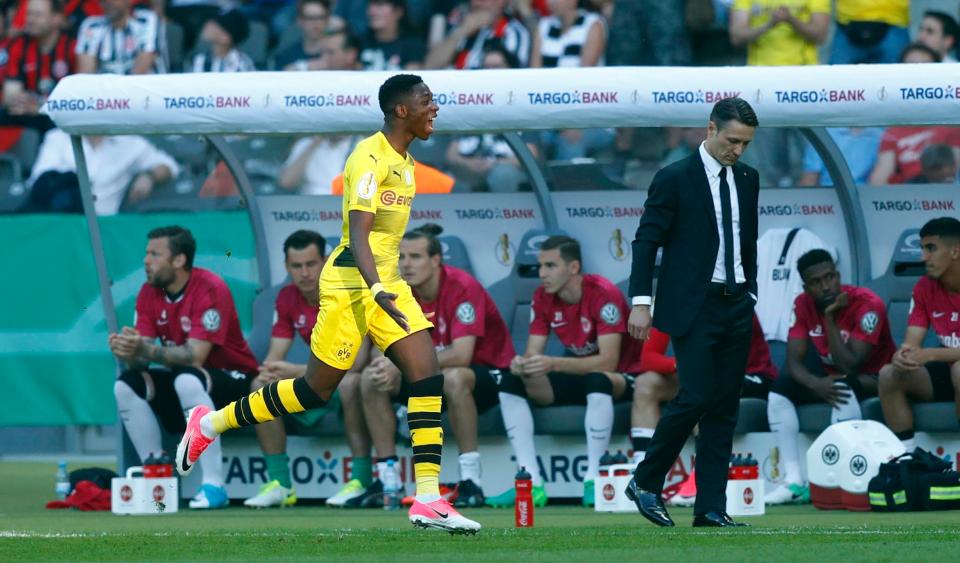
point(849, 195)
point(250, 201)
point(537, 179)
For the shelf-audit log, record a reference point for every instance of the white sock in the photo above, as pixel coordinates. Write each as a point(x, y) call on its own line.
point(470, 467)
point(640, 440)
point(206, 425)
point(909, 444)
point(637, 457)
point(518, 420)
point(849, 411)
point(785, 425)
point(598, 424)
point(139, 420)
point(192, 393)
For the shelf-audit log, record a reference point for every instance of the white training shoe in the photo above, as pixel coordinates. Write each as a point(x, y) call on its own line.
point(351, 490)
point(440, 515)
point(788, 493)
point(272, 494)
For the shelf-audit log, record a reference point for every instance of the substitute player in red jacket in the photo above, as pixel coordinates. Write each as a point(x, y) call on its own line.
point(928, 374)
point(203, 357)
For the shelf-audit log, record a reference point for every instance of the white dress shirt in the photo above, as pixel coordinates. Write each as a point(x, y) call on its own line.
point(712, 169)
point(112, 164)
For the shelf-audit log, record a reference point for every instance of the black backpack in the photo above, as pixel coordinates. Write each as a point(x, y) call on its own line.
point(915, 481)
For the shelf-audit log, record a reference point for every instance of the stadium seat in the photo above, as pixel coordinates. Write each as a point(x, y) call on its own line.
point(871, 409)
point(814, 418)
point(174, 35)
point(752, 416)
point(455, 253)
point(580, 175)
point(256, 44)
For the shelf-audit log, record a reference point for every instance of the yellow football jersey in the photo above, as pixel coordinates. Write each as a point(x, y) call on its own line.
point(378, 180)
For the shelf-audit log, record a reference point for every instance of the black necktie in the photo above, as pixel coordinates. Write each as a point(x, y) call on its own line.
point(727, 217)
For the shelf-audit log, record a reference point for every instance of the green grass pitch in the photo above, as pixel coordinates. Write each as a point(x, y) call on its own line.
point(562, 533)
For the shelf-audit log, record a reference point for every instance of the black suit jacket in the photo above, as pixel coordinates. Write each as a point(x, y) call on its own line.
point(679, 216)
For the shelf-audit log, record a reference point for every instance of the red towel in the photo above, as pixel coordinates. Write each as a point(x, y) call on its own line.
point(85, 496)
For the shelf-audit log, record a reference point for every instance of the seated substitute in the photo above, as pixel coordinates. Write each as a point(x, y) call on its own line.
point(202, 355)
point(588, 314)
point(473, 346)
point(295, 313)
point(927, 374)
point(848, 327)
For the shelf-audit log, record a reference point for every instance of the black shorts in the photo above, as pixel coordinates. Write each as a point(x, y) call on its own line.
point(223, 386)
point(943, 391)
point(755, 386)
point(569, 389)
point(798, 394)
point(485, 388)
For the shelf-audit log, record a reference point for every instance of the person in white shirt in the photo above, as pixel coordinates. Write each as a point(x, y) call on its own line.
point(314, 162)
point(115, 165)
point(125, 40)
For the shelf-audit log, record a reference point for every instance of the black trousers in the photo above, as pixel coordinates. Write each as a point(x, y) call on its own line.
point(711, 361)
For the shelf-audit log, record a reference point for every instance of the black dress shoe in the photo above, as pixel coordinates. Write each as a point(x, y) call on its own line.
point(715, 519)
point(649, 504)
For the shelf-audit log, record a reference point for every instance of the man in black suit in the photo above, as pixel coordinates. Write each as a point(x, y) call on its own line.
point(702, 211)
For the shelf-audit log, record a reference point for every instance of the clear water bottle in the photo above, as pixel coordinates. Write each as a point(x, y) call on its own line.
point(63, 481)
point(390, 478)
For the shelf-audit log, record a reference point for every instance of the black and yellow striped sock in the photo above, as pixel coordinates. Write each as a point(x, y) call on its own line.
point(267, 403)
point(423, 417)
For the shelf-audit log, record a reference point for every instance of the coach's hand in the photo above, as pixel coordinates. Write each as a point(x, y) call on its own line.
point(640, 321)
point(386, 301)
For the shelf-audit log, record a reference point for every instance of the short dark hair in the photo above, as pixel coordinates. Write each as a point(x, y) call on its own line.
point(936, 157)
point(947, 22)
point(429, 231)
point(943, 227)
point(733, 109)
point(304, 238)
point(395, 89)
point(497, 47)
point(812, 258)
point(350, 40)
point(923, 49)
point(180, 241)
point(569, 247)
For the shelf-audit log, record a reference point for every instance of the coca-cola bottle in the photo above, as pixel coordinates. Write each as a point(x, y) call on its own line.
point(523, 507)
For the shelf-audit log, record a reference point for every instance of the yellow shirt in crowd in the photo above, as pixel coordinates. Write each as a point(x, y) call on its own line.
point(893, 12)
point(781, 45)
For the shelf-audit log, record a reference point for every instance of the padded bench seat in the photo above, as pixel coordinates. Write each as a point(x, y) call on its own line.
point(928, 417)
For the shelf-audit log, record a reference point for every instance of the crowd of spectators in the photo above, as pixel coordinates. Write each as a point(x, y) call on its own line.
point(41, 41)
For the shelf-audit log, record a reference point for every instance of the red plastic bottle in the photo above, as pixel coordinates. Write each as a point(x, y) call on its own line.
point(523, 507)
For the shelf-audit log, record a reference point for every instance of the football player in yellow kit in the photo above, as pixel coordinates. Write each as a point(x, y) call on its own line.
point(362, 293)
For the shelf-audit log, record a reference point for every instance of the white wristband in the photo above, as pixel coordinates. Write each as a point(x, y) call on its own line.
point(642, 300)
point(376, 288)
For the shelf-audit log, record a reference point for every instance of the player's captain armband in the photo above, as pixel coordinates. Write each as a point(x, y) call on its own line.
point(367, 186)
